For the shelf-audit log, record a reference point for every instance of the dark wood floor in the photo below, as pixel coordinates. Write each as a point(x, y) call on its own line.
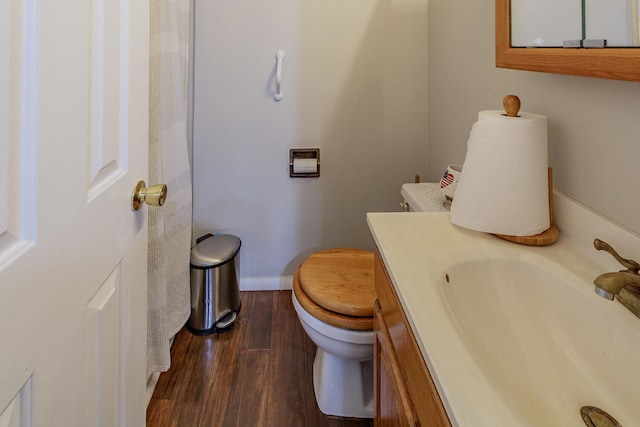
point(258, 374)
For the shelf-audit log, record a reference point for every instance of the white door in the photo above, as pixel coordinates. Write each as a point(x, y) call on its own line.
point(73, 143)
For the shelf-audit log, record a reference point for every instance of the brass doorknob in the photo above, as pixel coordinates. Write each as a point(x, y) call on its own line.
point(155, 195)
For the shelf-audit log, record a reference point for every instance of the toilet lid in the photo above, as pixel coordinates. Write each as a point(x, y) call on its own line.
point(340, 280)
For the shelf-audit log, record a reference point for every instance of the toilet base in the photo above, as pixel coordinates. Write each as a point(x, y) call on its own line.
point(343, 387)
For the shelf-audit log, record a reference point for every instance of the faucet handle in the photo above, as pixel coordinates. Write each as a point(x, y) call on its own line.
point(630, 264)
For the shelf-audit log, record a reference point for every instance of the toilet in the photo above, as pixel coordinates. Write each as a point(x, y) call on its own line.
point(333, 295)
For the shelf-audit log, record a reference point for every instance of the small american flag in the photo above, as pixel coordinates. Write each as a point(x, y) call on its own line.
point(446, 180)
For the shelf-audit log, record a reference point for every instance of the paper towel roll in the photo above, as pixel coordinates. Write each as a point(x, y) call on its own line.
point(503, 186)
point(305, 165)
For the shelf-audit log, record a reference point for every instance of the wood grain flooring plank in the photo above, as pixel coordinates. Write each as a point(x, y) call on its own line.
point(233, 391)
point(234, 400)
point(288, 406)
point(255, 388)
point(225, 371)
point(191, 388)
point(166, 387)
point(161, 413)
point(261, 317)
point(237, 371)
point(286, 330)
point(199, 362)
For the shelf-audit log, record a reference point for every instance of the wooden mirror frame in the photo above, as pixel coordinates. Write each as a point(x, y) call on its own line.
point(608, 63)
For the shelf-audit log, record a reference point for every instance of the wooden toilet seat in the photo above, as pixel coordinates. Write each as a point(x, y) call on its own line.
point(337, 287)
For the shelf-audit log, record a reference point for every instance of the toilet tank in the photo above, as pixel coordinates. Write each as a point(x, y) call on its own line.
point(424, 197)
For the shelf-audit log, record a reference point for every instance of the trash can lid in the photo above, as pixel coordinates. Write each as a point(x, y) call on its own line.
point(215, 250)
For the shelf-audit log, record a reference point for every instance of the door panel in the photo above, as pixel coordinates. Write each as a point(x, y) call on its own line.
point(16, 414)
point(18, 122)
point(73, 143)
point(103, 352)
point(109, 96)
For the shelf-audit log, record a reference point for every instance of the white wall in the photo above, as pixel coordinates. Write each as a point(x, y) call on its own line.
point(594, 125)
point(354, 85)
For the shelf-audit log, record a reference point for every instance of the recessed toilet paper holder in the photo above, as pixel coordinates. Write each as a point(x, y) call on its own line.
point(304, 162)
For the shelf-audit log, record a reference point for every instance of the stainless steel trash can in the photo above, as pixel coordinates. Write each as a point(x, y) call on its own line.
point(215, 295)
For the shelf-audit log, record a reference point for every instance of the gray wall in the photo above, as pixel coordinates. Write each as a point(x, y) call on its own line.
point(354, 85)
point(594, 125)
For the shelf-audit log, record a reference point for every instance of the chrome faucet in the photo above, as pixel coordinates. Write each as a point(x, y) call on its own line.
point(624, 284)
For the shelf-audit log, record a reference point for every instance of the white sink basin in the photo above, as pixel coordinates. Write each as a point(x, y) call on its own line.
point(544, 346)
point(513, 335)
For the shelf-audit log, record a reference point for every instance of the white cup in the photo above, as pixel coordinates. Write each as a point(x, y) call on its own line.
point(449, 180)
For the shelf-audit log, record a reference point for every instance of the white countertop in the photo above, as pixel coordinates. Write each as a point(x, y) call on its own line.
point(414, 247)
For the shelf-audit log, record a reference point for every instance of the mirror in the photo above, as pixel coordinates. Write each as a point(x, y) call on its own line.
point(552, 23)
point(620, 63)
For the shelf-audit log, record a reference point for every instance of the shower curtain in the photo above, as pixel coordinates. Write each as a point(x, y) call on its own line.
point(170, 225)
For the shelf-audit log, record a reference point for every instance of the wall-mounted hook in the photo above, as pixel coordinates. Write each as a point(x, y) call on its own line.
point(278, 93)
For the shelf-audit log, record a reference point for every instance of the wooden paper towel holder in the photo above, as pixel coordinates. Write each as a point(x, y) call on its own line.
point(511, 104)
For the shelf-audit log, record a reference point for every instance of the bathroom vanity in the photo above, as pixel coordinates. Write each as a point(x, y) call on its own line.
point(475, 331)
point(404, 391)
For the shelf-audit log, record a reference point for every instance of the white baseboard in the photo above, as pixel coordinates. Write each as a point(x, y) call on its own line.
point(266, 283)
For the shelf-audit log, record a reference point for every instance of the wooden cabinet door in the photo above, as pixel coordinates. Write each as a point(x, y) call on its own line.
point(393, 403)
point(405, 392)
